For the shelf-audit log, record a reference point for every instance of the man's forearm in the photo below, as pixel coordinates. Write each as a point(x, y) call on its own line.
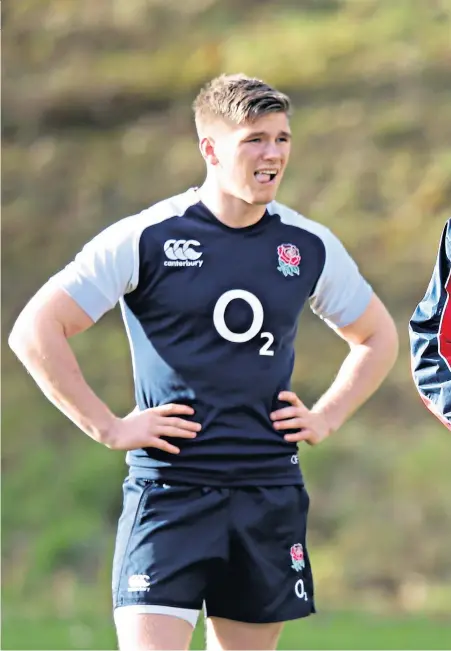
point(46, 354)
point(360, 375)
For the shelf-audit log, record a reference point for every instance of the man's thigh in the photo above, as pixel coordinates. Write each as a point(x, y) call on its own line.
point(268, 577)
point(229, 634)
point(150, 632)
point(165, 547)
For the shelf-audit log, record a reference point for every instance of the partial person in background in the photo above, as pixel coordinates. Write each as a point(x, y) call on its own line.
point(430, 336)
point(211, 285)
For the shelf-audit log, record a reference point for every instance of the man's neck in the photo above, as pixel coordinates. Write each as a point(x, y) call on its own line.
point(229, 210)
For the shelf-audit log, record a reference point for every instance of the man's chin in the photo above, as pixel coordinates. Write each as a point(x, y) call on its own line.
point(264, 196)
point(260, 196)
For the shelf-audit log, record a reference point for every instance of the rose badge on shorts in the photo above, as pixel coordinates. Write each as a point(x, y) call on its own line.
point(297, 557)
point(289, 259)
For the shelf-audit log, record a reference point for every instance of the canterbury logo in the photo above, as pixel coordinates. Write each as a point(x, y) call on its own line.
point(181, 253)
point(139, 583)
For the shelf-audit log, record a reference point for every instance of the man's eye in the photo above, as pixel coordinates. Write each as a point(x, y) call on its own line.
point(255, 140)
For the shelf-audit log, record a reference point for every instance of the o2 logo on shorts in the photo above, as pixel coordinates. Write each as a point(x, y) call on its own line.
point(255, 327)
point(299, 590)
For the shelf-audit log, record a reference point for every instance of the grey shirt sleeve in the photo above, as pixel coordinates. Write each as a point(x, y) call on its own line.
point(104, 270)
point(341, 294)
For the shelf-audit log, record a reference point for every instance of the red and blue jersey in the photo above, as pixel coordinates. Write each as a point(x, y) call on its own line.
point(430, 336)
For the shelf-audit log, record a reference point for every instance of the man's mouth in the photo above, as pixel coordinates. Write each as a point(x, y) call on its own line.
point(266, 175)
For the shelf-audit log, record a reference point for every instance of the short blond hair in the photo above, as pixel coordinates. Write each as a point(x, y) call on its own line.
point(239, 99)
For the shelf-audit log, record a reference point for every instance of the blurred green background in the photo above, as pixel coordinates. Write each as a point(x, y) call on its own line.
point(96, 126)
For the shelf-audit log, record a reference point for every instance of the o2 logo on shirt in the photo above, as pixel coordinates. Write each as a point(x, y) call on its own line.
point(255, 327)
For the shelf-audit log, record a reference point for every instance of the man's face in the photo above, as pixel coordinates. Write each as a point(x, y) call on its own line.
point(249, 160)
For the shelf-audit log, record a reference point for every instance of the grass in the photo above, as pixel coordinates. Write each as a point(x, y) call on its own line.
point(323, 631)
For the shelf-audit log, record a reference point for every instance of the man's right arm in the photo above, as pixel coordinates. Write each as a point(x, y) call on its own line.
point(40, 340)
point(105, 270)
point(69, 303)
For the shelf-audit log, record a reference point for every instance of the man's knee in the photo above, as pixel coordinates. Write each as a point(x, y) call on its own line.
point(141, 631)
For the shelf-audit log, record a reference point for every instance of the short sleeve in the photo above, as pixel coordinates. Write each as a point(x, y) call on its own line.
point(341, 294)
point(105, 269)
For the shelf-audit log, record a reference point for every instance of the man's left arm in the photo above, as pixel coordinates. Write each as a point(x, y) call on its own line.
point(373, 343)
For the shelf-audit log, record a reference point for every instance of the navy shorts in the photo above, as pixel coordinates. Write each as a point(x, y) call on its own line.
point(239, 552)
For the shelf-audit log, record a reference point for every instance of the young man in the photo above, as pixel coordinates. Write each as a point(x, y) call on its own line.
point(211, 284)
point(430, 337)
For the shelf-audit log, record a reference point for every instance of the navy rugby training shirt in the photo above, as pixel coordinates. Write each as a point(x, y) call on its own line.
point(211, 314)
point(430, 336)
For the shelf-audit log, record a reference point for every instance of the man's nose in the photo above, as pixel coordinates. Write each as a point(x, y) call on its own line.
point(271, 151)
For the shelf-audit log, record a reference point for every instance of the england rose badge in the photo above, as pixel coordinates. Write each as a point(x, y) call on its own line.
point(297, 557)
point(289, 259)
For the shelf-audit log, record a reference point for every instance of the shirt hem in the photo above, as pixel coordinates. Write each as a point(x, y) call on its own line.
point(207, 479)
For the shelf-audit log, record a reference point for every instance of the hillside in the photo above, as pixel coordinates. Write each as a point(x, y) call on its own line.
point(96, 126)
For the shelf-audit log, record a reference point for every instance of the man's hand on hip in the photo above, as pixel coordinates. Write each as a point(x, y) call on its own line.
point(144, 429)
point(313, 427)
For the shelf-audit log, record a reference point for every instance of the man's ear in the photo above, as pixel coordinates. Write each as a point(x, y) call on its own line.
point(207, 149)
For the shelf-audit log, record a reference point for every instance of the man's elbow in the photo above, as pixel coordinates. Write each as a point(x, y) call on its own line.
point(32, 327)
point(392, 340)
point(386, 340)
point(13, 340)
point(21, 336)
